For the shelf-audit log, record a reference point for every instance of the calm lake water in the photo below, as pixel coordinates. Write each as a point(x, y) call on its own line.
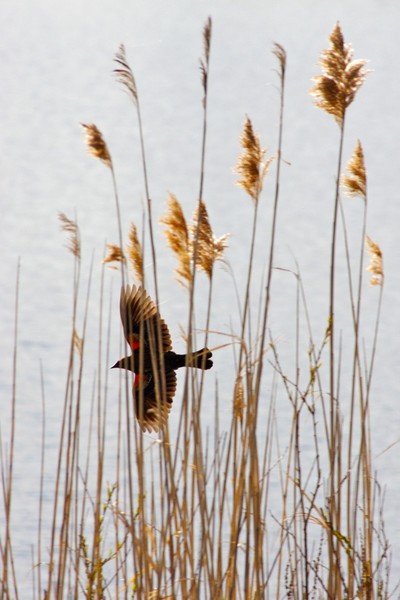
point(55, 67)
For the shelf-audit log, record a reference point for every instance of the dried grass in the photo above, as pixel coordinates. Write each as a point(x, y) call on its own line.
point(71, 227)
point(204, 62)
point(341, 77)
point(280, 53)
point(78, 343)
point(376, 263)
point(125, 75)
point(191, 513)
point(177, 233)
point(134, 253)
point(114, 255)
point(96, 144)
point(209, 249)
point(251, 165)
point(355, 182)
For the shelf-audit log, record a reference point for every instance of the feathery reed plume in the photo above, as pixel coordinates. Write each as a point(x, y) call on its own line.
point(74, 243)
point(78, 343)
point(355, 183)
point(209, 248)
point(204, 62)
point(280, 53)
point(124, 74)
point(251, 165)
point(238, 399)
point(376, 263)
point(115, 254)
point(135, 253)
point(177, 235)
point(341, 77)
point(96, 144)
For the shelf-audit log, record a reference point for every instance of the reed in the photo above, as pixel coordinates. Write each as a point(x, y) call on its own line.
point(189, 512)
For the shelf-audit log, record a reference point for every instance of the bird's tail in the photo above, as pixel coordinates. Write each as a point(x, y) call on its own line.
point(200, 359)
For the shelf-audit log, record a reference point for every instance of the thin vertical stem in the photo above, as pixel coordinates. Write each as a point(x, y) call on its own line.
point(7, 552)
point(42, 456)
point(274, 222)
point(334, 456)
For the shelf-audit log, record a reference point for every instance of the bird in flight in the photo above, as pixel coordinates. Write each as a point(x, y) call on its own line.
point(152, 360)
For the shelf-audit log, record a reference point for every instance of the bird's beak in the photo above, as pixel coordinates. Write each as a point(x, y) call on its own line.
point(116, 365)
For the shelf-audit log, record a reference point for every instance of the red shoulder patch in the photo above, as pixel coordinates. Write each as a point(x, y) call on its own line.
point(133, 342)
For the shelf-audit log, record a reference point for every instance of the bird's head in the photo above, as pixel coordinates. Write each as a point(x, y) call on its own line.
point(125, 363)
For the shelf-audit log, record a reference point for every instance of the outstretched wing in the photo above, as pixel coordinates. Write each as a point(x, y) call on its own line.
point(152, 412)
point(139, 311)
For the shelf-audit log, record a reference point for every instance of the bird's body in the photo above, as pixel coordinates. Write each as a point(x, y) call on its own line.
point(152, 360)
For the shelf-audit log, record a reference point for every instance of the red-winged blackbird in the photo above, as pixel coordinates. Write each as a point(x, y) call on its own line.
point(148, 336)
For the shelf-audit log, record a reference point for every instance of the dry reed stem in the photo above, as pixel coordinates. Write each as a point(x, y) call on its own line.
point(177, 234)
point(135, 253)
point(96, 144)
point(376, 263)
point(355, 183)
point(251, 166)
point(341, 77)
point(209, 249)
point(71, 227)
